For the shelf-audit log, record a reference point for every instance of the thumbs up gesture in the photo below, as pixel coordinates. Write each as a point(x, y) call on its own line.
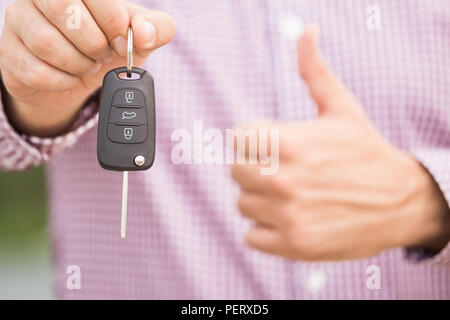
point(342, 191)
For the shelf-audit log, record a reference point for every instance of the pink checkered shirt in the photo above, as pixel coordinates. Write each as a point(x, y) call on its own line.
point(231, 63)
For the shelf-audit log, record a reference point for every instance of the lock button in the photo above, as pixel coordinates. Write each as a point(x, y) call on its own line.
point(127, 133)
point(129, 97)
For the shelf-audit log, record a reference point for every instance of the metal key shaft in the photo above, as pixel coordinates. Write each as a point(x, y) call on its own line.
point(123, 222)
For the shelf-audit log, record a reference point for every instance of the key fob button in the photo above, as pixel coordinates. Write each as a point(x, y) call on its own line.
point(128, 115)
point(129, 97)
point(127, 133)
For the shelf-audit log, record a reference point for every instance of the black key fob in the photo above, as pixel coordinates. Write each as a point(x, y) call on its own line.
point(126, 125)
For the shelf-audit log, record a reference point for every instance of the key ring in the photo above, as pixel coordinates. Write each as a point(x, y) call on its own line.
point(130, 52)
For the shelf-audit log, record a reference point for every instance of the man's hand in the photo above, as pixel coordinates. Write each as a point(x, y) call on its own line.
point(342, 191)
point(49, 69)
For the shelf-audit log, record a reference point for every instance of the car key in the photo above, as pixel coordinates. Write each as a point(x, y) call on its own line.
point(126, 124)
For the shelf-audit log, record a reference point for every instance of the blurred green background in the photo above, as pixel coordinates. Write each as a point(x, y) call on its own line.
point(25, 270)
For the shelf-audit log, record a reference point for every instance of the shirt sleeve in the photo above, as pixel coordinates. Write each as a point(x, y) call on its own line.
point(19, 151)
point(437, 162)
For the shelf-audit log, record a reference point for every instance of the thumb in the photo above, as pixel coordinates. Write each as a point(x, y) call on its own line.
point(330, 95)
point(151, 29)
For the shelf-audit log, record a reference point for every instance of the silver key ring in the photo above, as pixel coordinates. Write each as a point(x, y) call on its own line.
point(130, 52)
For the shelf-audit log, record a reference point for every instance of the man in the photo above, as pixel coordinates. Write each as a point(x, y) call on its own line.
point(359, 207)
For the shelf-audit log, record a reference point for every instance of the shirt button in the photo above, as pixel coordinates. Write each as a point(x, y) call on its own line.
point(291, 27)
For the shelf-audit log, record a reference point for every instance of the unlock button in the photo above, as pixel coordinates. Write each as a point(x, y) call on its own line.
point(127, 133)
point(129, 97)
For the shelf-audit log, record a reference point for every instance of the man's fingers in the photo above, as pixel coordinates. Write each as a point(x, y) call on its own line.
point(325, 88)
point(248, 177)
point(24, 70)
point(262, 208)
point(152, 29)
point(88, 37)
point(113, 19)
point(255, 142)
point(47, 42)
point(103, 23)
point(265, 239)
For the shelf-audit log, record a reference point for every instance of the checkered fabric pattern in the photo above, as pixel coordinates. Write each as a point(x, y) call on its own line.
point(231, 63)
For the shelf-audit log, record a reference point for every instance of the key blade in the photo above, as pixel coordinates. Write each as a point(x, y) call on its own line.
point(123, 223)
